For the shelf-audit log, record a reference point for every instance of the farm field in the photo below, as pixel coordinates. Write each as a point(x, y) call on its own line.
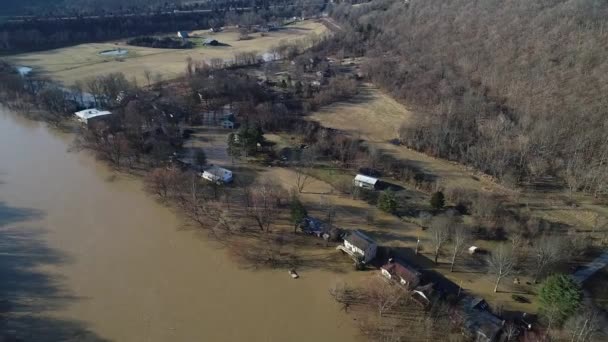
point(70, 64)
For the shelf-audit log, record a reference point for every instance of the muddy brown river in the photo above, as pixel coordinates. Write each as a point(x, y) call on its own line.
point(86, 255)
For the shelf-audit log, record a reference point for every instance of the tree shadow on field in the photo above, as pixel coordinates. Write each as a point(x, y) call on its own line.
point(27, 294)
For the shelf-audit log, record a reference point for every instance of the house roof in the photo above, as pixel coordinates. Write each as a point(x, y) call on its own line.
point(183, 33)
point(478, 320)
point(401, 269)
point(359, 240)
point(91, 113)
point(366, 179)
point(218, 171)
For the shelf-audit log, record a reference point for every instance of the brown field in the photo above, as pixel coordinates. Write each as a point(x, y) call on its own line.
point(70, 64)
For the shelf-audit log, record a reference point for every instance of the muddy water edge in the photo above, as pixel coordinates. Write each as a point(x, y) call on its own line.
point(86, 255)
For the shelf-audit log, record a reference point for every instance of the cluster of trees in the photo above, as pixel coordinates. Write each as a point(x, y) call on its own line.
point(515, 89)
point(245, 141)
point(161, 43)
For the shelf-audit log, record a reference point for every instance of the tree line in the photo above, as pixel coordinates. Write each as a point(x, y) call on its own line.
point(35, 34)
point(515, 89)
point(161, 43)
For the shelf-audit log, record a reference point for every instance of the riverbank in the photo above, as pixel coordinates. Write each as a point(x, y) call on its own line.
point(114, 265)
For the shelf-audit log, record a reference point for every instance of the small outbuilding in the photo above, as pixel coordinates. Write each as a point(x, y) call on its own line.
point(217, 175)
point(361, 246)
point(365, 182)
point(183, 34)
point(87, 115)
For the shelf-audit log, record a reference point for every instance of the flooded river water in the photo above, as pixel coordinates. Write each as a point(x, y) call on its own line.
point(87, 256)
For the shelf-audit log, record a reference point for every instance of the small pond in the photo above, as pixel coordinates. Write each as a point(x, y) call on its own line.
point(115, 52)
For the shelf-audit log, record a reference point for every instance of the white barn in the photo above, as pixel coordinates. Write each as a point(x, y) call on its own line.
point(357, 243)
point(217, 175)
point(85, 115)
point(365, 182)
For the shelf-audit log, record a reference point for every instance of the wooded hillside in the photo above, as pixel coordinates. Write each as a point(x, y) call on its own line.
point(515, 88)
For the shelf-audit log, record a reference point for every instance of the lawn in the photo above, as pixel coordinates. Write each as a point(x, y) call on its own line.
point(70, 64)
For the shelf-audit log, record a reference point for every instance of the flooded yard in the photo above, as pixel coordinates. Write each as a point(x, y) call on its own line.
point(86, 255)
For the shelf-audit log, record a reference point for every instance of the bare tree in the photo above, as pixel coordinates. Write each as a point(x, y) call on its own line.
point(303, 168)
point(148, 76)
point(382, 295)
point(262, 204)
point(501, 263)
point(547, 250)
point(162, 181)
point(330, 210)
point(460, 237)
point(439, 234)
point(584, 326)
point(510, 331)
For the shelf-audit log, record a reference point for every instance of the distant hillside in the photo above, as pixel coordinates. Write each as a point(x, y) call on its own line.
point(516, 88)
point(23, 7)
point(42, 7)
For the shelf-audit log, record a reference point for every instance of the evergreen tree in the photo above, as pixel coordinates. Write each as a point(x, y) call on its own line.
point(560, 296)
point(387, 201)
point(437, 200)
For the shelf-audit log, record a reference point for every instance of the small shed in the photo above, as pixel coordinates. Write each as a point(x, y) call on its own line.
point(183, 34)
point(85, 116)
point(217, 175)
point(366, 182)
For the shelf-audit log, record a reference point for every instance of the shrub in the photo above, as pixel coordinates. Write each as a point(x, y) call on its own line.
point(387, 201)
point(560, 296)
point(437, 200)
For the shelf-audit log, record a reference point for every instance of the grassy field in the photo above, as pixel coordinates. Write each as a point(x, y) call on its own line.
point(70, 64)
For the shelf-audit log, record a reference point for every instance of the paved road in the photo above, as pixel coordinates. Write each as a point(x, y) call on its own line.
point(584, 273)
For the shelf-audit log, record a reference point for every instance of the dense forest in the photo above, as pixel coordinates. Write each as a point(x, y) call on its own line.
point(44, 33)
point(516, 88)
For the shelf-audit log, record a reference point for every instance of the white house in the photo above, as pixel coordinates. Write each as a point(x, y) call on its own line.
point(366, 182)
point(85, 115)
point(217, 175)
point(357, 243)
